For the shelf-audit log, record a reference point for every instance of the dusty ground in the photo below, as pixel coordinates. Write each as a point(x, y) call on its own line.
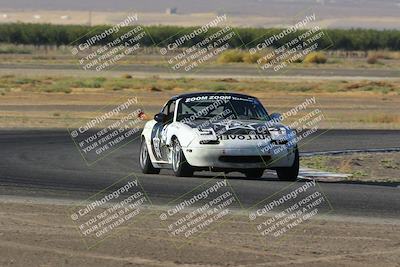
point(101, 18)
point(354, 110)
point(23, 54)
point(44, 235)
point(367, 167)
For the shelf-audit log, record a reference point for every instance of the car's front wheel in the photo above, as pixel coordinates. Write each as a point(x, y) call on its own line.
point(179, 164)
point(290, 173)
point(145, 161)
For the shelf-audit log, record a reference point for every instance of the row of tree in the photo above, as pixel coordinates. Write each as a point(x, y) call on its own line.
point(46, 34)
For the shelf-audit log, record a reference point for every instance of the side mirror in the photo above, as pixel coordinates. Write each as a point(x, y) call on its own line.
point(276, 117)
point(160, 117)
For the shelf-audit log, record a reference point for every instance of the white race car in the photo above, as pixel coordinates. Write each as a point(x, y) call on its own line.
point(222, 132)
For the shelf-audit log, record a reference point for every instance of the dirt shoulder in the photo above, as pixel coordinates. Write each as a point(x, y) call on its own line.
point(57, 102)
point(44, 235)
point(364, 167)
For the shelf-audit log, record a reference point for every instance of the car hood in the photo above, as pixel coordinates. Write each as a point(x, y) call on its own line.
point(235, 126)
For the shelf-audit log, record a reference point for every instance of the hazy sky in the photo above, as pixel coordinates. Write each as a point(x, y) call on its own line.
point(259, 7)
point(377, 14)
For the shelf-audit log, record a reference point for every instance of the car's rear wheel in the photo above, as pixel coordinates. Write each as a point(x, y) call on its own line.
point(145, 161)
point(179, 164)
point(254, 173)
point(290, 173)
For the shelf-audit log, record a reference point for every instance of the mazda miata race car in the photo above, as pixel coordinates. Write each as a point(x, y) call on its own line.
point(223, 132)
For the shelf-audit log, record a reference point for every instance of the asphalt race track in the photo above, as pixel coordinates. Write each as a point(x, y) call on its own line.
point(45, 163)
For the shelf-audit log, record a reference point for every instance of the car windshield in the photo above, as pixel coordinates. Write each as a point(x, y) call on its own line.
point(222, 107)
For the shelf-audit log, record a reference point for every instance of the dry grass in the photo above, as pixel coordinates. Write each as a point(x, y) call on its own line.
point(315, 57)
point(381, 118)
point(384, 54)
point(372, 59)
point(231, 56)
point(357, 104)
point(381, 167)
point(384, 87)
point(251, 58)
point(28, 54)
point(127, 82)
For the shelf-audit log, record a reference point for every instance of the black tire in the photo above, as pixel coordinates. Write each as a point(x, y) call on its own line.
point(290, 173)
point(179, 163)
point(254, 173)
point(144, 160)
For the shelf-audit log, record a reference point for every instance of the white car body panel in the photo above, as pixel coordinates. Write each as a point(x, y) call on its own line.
point(159, 137)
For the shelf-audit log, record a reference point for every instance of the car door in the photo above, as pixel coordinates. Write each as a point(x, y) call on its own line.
point(159, 133)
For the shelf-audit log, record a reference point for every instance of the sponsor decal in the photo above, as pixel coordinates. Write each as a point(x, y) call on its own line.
point(158, 140)
point(218, 97)
point(242, 137)
point(232, 125)
point(207, 97)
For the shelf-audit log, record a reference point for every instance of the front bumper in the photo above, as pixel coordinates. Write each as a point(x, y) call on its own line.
point(238, 158)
